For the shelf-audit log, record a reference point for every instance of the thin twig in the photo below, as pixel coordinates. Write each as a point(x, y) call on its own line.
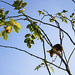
point(52, 26)
point(45, 23)
point(45, 58)
point(70, 55)
point(30, 54)
point(73, 1)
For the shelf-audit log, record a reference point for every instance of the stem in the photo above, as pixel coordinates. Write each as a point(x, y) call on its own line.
point(52, 26)
point(31, 55)
point(45, 59)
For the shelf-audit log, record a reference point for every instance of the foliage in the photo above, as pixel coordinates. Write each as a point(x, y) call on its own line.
point(36, 32)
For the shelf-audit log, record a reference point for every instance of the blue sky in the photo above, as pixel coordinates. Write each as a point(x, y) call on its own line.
point(13, 62)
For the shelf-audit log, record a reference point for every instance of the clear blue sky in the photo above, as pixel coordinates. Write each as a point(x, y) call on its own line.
point(13, 62)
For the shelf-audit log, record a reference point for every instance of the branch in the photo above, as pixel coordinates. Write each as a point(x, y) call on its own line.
point(66, 65)
point(45, 58)
point(52, 26)
point(30, 54)
point(7, 3)
point(13, 16)
point(45, 23)
point(70, 55)
point(73, 1)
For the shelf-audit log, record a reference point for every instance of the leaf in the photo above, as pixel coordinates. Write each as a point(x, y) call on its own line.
point(16, 29)
point(27, 35)
point(51, 20)
point(8, 29)
point(32, 42)
point(29, 26)
point(59, 14)
point(64, 11)
point(40, 12)
point(18, 25)
point(2, 23)
point(5, 36)
point(6, 13)
point(1, 34)
point(32, 37)
point(65, 21)
point(21, 2)
point(8, 23)
point(12, 21)
point(51, 68)
point(28, 45)
point(39, 66)
point(23, 5)
point(20, 11)
point(27, 40)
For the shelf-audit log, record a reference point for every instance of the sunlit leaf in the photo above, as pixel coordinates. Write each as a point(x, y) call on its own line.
point(51, 20)
point(20, 11)
point(16, 29)
point(5, 36)
point(8, 29)
point(51, 68)
point(39, 66)
point(18, 25)
point(12, 21)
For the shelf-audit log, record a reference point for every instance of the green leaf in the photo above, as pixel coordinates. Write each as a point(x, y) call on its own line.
point(12, 21)
point(51, 20)
point(21, 2)
point(1, 33)
point(64, 11)
point(17, 8)
point(5, 36)
point(8, 23)
point(20, 11)
point(29, 26)
point(6, 13)
point(23, 5)
point(40, 12)
point(16, 29)
point(27, 35)
point(32, 37)
point(2, 23)
point(28, 45)
point(65, 21)
point(18, 25)
point(27, 40)
point(32, 42)
point(39, 66)
point(59, 14)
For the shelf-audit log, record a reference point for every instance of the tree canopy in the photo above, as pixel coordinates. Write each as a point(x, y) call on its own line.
point(48, 31)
